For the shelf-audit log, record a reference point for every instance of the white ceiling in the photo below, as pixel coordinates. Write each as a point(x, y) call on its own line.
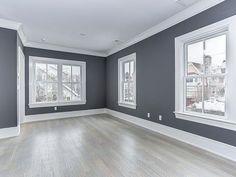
point(61, 22)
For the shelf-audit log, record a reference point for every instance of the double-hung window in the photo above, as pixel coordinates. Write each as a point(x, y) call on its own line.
point(127, 81)
point(54, 82)
point(71, 82)
point(204, 75)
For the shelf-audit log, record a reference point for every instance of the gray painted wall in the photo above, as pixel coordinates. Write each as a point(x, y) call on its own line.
point(8, 80)
point(156, 75)
point(95, 78)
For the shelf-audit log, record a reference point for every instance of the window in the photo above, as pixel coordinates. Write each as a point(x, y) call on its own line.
point(205, 72)
point(46, 82)
point(71, 82)
point(127, 81)
point(54, 82)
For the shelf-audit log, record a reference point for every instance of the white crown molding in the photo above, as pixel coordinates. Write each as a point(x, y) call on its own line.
point(179, 17)
point(8, 24)
point(47, 46)
point(22, 35)
point(62, 115)
point(216, 147)
point(9, 132)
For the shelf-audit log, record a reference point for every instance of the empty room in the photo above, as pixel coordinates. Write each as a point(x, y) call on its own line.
point(118, 88)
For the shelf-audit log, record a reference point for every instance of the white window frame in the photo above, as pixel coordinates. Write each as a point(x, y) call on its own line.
point(229, 120)
point(59, 62)
point(121, 61)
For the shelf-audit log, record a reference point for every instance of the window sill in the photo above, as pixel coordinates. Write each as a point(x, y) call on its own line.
point(216, 122)
point(41, 105)
point(127, 105)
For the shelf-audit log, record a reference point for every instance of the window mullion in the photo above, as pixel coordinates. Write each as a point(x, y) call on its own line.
point(60, 83)
point(122, 82)
point(122, 91)
point(33, 82)
point(129, 82)
point(128, 91)
point(203, 95)
point(71, 83)
point(203, 78)
point(80, 84)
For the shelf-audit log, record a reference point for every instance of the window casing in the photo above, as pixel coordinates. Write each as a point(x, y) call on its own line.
point(204, 75)
point(127, 81)
point(54, 82)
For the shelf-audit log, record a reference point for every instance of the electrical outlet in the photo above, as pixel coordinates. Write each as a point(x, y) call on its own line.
point(160, 117)
point(55, 108)
point(148, 115)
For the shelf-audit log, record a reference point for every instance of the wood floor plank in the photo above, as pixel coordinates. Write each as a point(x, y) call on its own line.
point(101, 146)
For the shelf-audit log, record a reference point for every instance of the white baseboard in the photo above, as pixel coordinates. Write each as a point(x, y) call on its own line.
point(216, 147)
point(62, 115)
point(221, 149)
point(9, 132)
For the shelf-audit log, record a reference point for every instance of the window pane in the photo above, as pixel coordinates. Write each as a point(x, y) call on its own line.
point(66, 89)
point(76, 93)
point(52, 72)
point(75, 73)
point(214, 95)
point(40, 72)
point(125, 92)
point(66, 73)
point(52, 92)
point(131, 70)
point(215, 55)
point(126, 71)
point(131, 92)
point(40, 92)
point(194, 94)
point(195, 53)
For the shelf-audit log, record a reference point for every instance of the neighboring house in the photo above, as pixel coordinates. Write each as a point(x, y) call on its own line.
point(51, 94)
point(194, 85)
point(213, 87)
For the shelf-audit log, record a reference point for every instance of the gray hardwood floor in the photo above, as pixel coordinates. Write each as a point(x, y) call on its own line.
point(100, 146)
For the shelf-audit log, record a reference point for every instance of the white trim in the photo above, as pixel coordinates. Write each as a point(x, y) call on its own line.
point(179, 17)
point(128, 105)
point(22, 35)
point(70, 103)
point(8, 24)
point(21, 85)
point(121, 61)
point(56, 60)
point(63, 115)
point(228, 121)
point(216, 147)
point(61, 48)
point(59, 62)
point(9, 132)
point(207, 120)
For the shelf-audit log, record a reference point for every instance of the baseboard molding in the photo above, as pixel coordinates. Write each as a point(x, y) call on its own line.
point(63, 115)
point(216, 147)
point(9, 132)
point(221, 149)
